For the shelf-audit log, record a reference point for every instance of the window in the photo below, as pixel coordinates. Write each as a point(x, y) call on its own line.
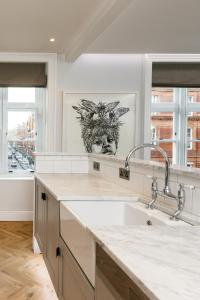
point(189, 164)
point(177, 123)
point(189, 138)
point(22, 127)
point(190, 99)
point(153, 134)
point(155, 98)
point(21, 95)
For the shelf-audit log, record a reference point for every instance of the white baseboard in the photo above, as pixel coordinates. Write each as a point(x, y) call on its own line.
point(16, 216)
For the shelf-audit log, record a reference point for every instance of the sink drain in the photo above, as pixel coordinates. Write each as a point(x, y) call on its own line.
point(149, 222)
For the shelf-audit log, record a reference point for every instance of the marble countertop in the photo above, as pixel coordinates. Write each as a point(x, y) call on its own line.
point(83, 187)
point(162, 260)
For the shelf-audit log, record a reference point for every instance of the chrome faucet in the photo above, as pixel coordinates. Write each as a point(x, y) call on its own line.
point(166, 192)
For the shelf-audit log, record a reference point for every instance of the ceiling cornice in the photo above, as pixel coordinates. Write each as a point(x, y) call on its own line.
point(173, 57)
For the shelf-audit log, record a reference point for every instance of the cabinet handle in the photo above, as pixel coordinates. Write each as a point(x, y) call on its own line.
point(44, 196)
point(58, 251)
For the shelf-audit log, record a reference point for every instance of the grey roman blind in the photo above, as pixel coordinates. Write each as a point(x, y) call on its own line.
point(23, 75)
point(168, 74)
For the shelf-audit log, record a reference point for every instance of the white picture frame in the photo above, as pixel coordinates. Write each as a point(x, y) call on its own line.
point(72, 141)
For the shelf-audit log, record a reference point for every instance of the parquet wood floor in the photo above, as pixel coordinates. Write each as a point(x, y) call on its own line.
point(23, 274)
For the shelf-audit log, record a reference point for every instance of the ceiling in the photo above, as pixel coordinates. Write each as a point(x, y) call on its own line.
point(153, 26)
point(100, 26)
point(27, 25)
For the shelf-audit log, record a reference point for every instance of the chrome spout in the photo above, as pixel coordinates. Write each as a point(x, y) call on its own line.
point(166, 189)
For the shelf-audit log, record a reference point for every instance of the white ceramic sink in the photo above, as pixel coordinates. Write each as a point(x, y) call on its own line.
point(76, 216)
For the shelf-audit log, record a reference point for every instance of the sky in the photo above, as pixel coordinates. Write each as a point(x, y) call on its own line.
point(19, 95)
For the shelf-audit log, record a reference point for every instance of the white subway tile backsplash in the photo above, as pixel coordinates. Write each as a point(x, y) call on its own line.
point(84, 157)
point(140, 183)
point(188, 200)
point(61, 166)
point(79, 166)
point(147, 186)
point(189, 180)
point(196, 202)
point(145, 170)
point(71, 157)
point(45, 166)
point(61, 163)
point(53, 157)
point(40, 157)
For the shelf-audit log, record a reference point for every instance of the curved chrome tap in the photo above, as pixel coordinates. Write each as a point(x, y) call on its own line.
point(166, 190)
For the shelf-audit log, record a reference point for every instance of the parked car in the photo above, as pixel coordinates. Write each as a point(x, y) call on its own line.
point(25, 165)
point(20, 160)
point(18, 156)
point(13, 164)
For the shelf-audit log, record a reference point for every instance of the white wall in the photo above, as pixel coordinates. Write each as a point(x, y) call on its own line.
point(16, 198)
point(101, 73)
point(89, 73)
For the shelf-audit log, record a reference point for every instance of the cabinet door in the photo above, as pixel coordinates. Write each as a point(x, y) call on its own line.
point(73, 285)
point(52, 238)
point(104, 290)
point(112, 283)
point(40, 215)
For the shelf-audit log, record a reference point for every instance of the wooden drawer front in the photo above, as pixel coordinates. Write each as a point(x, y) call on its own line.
point(73, 283)
point(116, 280)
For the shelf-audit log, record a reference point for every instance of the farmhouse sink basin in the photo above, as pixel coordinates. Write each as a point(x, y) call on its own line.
point(76, 216)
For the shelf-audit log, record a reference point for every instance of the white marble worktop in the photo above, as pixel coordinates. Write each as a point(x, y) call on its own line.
point(83, 187)
point(162, 260)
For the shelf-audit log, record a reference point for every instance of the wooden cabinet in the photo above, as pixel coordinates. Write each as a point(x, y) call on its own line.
point(40, 216)
point(112, 283)
point(47, 229)
point(51, 255)
point(68, 278)
point(73, 285)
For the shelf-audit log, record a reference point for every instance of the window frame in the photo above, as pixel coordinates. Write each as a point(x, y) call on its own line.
point(147, 87)
point(189, 138)
point(38, 107)
point(181, 110)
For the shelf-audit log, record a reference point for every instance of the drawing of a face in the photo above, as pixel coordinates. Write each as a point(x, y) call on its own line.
point(100, 125)
point(104, 145)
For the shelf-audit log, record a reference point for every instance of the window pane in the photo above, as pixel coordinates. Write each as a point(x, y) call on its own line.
point(193, 145)
point(162, 125)
point(21, 140)
point(160, 95)
point(21, 95)
point(168, 147)
point(193, 155)
point(193, 95)
point(162, 130)
point(193, 127)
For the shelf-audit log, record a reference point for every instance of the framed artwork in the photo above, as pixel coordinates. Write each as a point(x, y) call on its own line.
point(98, 122)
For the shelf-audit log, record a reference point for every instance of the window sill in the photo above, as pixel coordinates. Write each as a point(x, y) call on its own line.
point(14, 176)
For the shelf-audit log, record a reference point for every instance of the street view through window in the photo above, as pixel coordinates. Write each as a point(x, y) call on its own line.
point(21, 129)
point(175, 124)
point(21, 140)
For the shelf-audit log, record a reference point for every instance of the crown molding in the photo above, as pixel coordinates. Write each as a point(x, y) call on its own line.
point(173, 57)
